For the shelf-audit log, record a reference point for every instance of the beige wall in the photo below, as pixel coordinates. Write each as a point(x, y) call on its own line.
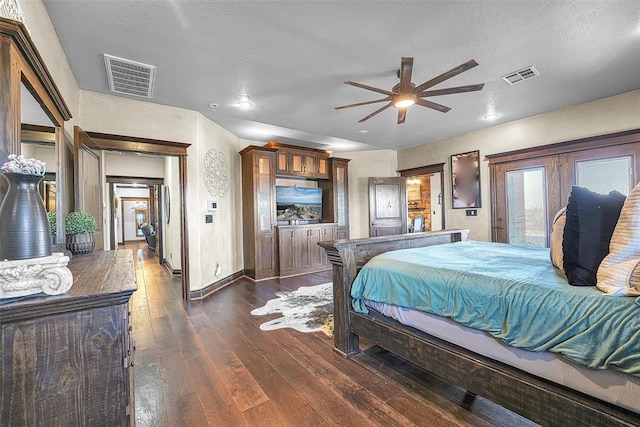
point(616, 113)
point(218, 243)
point(133, 165)
point(364, 164)
point(124, 116)
point(171, 235)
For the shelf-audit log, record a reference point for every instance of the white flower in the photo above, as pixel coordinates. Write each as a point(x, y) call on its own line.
point(18, 164)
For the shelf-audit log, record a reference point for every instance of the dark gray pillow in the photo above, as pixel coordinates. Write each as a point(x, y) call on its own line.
point(591, 219)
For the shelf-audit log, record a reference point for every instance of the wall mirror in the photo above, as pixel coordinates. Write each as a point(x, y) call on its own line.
point(38, 140)
point(33, 113)
point(141, 219)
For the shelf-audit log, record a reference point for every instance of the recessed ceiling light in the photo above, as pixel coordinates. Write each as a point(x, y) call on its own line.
point(244, 104)
point(214, 105)
point(363, 131)
point(491, 116)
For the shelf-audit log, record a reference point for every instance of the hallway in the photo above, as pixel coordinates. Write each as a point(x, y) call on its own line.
point(208, 363)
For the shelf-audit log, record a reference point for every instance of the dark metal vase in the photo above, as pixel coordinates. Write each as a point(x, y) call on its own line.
point(24, 226)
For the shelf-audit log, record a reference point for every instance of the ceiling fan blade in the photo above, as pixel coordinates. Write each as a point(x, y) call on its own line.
point(406, 67)
point(380, 110)
point(374, 89)
point(432, 105)
point(388, 98)
point(452, 90)
point(402, 114)
point(447, 75)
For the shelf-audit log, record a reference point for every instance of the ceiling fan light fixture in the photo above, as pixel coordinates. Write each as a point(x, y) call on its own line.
point(404, 100)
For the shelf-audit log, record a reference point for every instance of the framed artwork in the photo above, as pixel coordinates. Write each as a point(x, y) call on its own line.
point(465, 180)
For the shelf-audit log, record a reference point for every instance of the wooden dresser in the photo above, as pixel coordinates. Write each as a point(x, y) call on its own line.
point(66, 360)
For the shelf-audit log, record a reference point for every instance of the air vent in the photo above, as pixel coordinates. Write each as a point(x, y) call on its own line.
point(129, 77)
point(521, 75)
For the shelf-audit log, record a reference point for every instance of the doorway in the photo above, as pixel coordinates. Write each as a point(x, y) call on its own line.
point(425, 197)
point(134, 205)
point(169, 149)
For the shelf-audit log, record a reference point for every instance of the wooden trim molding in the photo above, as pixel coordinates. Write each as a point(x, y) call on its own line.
point(139, 145)
point(423, 170)
point(27, 48)
point(215, 286)
point(116, 179)
point(276, 145)
point(598, 141)
point(184, 228)
point(169, 267)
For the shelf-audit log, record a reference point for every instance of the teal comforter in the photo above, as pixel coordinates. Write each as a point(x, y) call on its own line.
point(513, 293)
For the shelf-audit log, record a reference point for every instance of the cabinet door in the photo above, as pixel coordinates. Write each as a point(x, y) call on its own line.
point(297, 163)
point(303, 259)
point(265, 256)
point(329, 233)
point(287, 250)
point(341, 200)
point(316, 253)
point(265, 194)
point(309, 162)
point(282, 162)
point(322, 167)
point(302, 164)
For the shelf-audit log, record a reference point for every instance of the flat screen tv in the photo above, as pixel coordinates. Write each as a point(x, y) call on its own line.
point(298, 203)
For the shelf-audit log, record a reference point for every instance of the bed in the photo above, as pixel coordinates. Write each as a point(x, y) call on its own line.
point(545, 386)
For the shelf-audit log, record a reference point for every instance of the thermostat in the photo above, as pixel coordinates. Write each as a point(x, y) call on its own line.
point(212, 206)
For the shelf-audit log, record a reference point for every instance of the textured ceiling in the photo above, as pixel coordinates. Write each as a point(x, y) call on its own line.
point(291, 57)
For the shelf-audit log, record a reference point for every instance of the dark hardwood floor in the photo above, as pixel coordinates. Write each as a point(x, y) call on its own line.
point(208, 363)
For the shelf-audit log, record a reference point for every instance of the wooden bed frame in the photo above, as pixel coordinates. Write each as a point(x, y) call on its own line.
point(539, 400)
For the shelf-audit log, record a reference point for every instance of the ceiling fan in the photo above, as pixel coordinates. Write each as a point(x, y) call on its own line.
point(406, 94)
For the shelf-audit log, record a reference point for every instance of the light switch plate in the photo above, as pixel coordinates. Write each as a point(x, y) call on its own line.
point(212, 206)
point(208, 219)
point(472, 212)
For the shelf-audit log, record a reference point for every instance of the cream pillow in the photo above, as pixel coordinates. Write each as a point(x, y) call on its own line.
point(619, 272)
point(557, 232)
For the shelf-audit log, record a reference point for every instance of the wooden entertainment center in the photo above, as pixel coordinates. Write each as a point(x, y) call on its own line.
point(281, 248)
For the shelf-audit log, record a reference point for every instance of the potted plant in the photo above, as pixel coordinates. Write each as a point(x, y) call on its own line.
point(52, 223)
point(80, 227)
point(24, 228)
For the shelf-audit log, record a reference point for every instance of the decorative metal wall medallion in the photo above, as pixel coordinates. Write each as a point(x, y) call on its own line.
point(10, 9)
point(216, 173)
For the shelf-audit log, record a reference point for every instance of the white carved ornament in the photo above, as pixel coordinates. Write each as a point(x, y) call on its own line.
point(32, 276)
point(216, 173)
point(10, 9)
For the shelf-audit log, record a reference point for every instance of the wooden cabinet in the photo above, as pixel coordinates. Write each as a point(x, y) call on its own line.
point(298, 249)
point(335, 196)
point(259, 213)
point(295, 161)
point(292, 249)
point(67, 359)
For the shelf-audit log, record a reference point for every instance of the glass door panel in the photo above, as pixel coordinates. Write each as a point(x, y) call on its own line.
point(527, 207)
point(605, 175)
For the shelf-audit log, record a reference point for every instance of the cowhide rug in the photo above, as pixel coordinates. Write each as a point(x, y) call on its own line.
point(308, 309)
